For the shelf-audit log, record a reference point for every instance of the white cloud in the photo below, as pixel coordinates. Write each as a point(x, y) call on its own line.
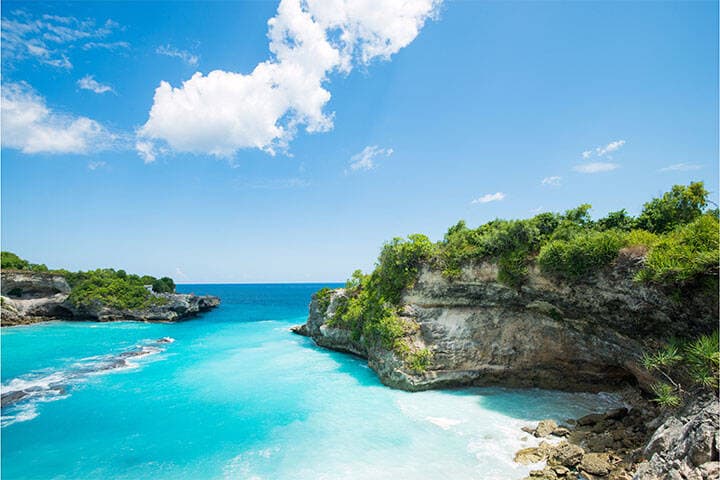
point(223, 112)
point(490, 197)
point(609, 148)
point(553, 181)
point(183, 55)
point(595, 167)
point(365, 160)
point(49, 38)
point(586, 154)
point(146, 150)
point(681, 167)
point(30, 126)
point(94, 165)
point(106, 45)
point(89, 83)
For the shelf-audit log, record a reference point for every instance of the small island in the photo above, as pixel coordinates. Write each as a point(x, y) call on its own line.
point(33, 293)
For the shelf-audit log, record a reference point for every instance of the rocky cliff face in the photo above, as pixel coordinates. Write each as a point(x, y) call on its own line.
point(584, 335)
point(29, 297)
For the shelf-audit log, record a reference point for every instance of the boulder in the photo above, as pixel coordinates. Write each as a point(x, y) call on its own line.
point(545, 428)
point(595, 464)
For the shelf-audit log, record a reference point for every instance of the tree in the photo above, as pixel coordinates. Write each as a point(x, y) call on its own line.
point(163, 285)
point(679, 206)
point(619, 220)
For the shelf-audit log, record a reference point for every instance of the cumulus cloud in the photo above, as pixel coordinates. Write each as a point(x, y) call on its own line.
point(595, 167)
point(490, 197)
point(30, 126)
point(365, 160)
point(553, 181)
point(89, 83)
point(48, 38)
point(223, 112)
point(587, 154)
point(184, 55)
point(681, 167)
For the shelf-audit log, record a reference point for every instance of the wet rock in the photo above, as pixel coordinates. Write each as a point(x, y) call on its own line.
point(561, 432)
point(545, 428)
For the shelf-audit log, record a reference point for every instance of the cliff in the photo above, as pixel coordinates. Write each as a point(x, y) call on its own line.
point(580, 335)
point(588, 334)
point(29, 297)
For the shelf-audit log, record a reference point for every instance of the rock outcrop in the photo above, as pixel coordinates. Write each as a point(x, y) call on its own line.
point(685, 446)
point(581, 335)
point(624, 445)
point(29, 297)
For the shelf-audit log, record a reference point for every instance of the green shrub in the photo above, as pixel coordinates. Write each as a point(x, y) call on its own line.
point(161, 285)
point(513, 268)
point(681, 205)
point(686, 367)
point(689, 251)
point(581, 255)
point(105, 286)
point(419, 360)
point(10, 261)
point(323, 298)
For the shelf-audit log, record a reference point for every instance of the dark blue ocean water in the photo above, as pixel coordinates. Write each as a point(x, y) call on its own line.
point(237, 396)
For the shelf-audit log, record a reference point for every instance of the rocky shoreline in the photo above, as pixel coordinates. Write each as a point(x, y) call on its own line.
point(634, 444)
point(31, 297)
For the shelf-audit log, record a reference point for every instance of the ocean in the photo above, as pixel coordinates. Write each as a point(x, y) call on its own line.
point(232, 394)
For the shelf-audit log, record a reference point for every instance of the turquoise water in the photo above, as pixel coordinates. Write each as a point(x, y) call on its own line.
point(237, 396)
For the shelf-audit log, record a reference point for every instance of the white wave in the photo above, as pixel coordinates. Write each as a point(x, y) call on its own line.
point(444, 423)
point(20, 395)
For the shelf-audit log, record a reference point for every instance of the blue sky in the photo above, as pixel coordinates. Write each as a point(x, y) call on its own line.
point(362, 124)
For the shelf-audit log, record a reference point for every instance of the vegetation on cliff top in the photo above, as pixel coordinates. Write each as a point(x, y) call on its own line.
point(114, 288)
point(675, 238)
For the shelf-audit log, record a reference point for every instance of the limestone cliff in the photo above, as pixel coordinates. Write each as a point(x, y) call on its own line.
point(580, 335)
point(29, 297)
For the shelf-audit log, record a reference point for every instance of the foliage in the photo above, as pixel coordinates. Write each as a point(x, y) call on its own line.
point(419, 360)
point(323, 298)
point(10, 261)
point(679, 243)
point(686, 366)
point(112, 288)
point(161, 285)
point(619, 220)
point(680, 255)
point(681, 205)
point(666, 395)
point(372, 300)
point(582, 254)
